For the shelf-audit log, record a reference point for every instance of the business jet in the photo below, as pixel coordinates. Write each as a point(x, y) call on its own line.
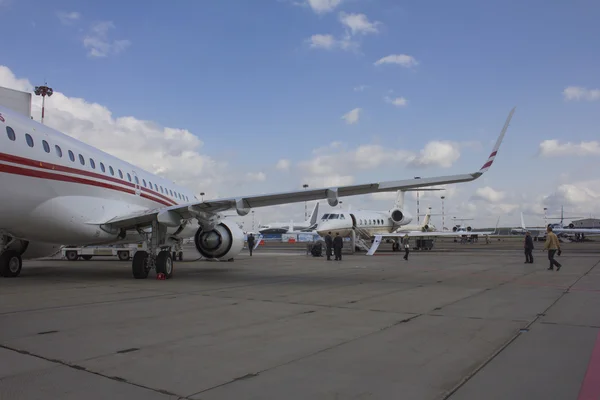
point(57, 191)
point(559, 228)
point(368, 223)
point(287, 227)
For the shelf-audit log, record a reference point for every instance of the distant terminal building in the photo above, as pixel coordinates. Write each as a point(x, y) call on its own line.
point(587, 223)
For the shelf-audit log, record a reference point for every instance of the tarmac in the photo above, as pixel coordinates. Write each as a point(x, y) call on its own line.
point(468, 324)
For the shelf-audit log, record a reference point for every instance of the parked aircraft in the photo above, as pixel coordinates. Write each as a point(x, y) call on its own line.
point(368, 223)
point(287, 227)
point(559, 228)
point(56, 190)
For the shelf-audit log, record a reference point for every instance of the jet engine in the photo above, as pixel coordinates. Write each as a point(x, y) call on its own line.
point(571, 225)
point(399, 217)
point(225, 241)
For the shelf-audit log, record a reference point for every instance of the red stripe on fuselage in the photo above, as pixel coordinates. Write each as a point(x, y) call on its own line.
point(11, 169)
point(55, 167)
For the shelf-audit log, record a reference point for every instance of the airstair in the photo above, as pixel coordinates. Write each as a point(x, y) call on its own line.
point(358, 241)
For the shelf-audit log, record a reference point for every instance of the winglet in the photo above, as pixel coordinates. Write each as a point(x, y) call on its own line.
point(492, 156)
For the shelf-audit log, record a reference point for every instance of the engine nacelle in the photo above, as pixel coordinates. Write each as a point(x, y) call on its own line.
point(400, 217)
point(224, 242)
point(571, 225)
point(468, 229)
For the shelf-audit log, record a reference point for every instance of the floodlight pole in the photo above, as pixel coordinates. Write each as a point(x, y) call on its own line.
point(43, 91)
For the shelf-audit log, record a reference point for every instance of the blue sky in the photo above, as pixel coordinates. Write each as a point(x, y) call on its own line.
point(243, 77)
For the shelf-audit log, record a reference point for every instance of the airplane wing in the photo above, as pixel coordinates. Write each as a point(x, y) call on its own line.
point(173, 215)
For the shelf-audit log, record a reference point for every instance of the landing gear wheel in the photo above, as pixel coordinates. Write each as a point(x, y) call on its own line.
point(87, 257)
point(139, 266)
point(164, 264)
point(123, 255)
point(181, 256)
point(10, 264)
point(71, 255)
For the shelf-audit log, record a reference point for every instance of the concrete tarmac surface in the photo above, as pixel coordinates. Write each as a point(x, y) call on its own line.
point(461, 325)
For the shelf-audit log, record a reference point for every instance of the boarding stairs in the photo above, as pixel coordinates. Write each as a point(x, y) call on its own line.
point(358, 235)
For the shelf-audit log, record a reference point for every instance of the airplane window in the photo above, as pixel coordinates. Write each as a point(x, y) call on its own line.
point(156, 187)
point(46, 146)
point(171, 192)
point(120, 174)
point(71, 156)
point(137, 180)
point(102, 167)
point(81, 160)
point(93, 163)
point(342, 216)
point(333, 216)
point(11, 133)
point(29, 140)
point(161, 189)
point(144, 182)
point(58, 151)
point(325, 216)
point(129, 177)
point(112, 171)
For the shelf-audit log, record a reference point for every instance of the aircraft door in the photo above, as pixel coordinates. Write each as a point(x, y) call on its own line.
point(136, 182)
point(353, 220)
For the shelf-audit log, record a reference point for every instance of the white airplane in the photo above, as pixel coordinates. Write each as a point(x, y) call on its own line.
point(559, 228)
point(368, 223)
point(463, 230)
point(287, 227)
point(56, 191)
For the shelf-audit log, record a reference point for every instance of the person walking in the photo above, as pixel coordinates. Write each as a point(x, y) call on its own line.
point(250, 243)
point(328, 245)
point(338, 244)
point(406, 245)
point(553, 246)
point(528, 248)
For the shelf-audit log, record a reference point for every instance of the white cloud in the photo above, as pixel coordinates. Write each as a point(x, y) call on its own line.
point(283, 164)
point(352, 116)
point(361, 88)
point(440, 153)
point(488, 194)
point(323, 6)
point(359, 23)
point(580, 93)
point(67, 18)
point(98, 43)
point(256, 176)
point(552, 148)
point(400, 59)
point(329, 42)
point(170, 152)
point(398, 101)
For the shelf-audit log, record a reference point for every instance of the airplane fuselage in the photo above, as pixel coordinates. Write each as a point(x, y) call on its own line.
point(365, 223)
point(55, 187)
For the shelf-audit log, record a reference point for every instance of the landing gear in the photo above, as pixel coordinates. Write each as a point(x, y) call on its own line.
point(10, 264)
point(144, 261)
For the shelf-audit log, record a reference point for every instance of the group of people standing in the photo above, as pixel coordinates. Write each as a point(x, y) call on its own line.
point(336, 244)
point(552, 245)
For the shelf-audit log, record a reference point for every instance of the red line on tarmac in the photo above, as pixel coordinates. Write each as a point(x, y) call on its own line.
point(590, 387)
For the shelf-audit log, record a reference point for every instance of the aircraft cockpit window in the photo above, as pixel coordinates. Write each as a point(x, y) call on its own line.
point(92, 163)
point(11, 133)
point(81, 160)
point(128, 177)
point(71, 156)
point(112, 171)
point(333, 216)
point(102, 167)
point(46, 146)
point(325, 216)
point(29, 140)
point(58, 151)
point(342, 216)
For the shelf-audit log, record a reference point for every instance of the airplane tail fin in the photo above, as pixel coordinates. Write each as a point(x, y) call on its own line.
point(313, 216)
point(523, 222)
point(399, 199)
point(427, 217)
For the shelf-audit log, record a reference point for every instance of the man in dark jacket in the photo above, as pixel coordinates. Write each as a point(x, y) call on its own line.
point(338, 244)
point(250, 243)
point(406, 244)
point(528, 248)
point(328, 245)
